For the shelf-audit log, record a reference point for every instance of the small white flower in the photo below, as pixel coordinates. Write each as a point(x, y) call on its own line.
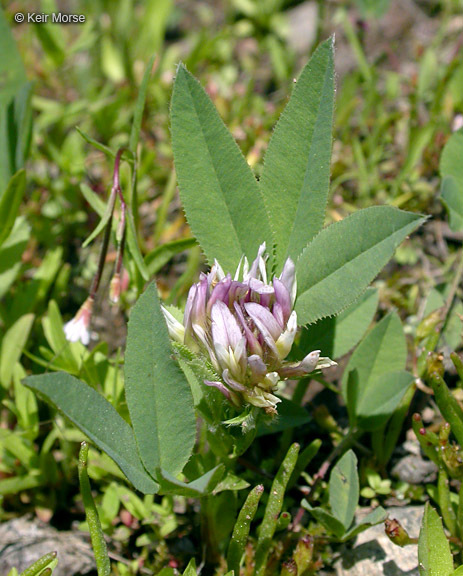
point(77, 329)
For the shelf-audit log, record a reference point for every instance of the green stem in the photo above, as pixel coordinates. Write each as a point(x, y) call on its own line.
point(100, 551)
point(446, 508)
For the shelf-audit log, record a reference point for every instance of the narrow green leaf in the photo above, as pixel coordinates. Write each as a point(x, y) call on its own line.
point(202, 486)
point(11, 252)
point(133, 247)
point(158, 396)
point(452, 198)
point(380, 397)
point(335, 336)
point(107, 216)
point(330, 523)
point(139, 107)
point(13, 342)
point(452, 179)
point(95, 144)
point(273, 509)
point(344, 258)
point(434, 556)
point(376, 516)
point(15, 108)
point(98, 420)
point(93, 199)
point(240, 534)
point(40, 565)
point(219, 192)
point(344, 489)
point(190, 570)
point(10, 201)
point(458, 571)
point(295, 179)
point(156, 259)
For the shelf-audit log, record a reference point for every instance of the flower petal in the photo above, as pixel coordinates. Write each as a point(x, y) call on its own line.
point(288, 277)
point(219, 292)
point(225, 329)
point(253, 343)
point(282, 298)
point(265, 322)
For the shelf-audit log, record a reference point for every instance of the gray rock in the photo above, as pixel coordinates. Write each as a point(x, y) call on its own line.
point(303, 26)
point(374, 553)
point(415, 470)
point(24, 540)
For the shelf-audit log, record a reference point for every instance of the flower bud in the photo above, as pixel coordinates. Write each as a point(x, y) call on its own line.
point(77, 329)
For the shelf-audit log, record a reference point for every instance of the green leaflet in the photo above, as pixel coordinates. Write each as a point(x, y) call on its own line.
point(434, 556)
point(375, 383)
point(344, 489)
point(383, 350)
point(202, 486)
point(335, 336)
point(380, 398)
point(98, 420)
point(221, 197)
point(158, 396)
point(452, 180)
point(295, 179)
point(343, 259)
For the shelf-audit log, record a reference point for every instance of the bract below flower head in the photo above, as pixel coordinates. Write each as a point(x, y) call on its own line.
point(244, 328)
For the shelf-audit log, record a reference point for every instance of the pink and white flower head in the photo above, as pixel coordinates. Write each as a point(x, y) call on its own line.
point(77, 329)
point(245, 329)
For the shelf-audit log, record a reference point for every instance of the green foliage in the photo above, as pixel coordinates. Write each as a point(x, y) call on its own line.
point(217, 186)
point(343, 259)
point(434, 556)
point(389, 130)
point(273, 508)
point(158, 395)
point(10, 201)
point(15, 109)
point(98, 542)
point(374, 381)
point(337, 335)
point(295, 178)
point(240, 535)
point(46, 562)
point(343, 498)
point(98, 419)
point(452, 180)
